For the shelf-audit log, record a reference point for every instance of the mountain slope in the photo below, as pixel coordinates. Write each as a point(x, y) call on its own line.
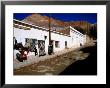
point(57, 25)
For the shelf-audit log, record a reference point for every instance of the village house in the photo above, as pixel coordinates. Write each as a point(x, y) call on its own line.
point(34, 36)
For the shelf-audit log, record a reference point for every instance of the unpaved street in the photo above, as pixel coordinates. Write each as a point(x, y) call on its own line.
point(52, 66)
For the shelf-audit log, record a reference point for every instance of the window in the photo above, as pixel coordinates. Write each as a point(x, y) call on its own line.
point(65, 44)
point(45, 37)
point(57, 45)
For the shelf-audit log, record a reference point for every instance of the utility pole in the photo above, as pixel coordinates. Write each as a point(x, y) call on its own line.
point(50, 45)
point(49, 29)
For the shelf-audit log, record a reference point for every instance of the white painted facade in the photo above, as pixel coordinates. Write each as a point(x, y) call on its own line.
point(73, 40)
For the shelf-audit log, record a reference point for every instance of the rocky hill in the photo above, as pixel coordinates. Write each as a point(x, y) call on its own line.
point(57, 25)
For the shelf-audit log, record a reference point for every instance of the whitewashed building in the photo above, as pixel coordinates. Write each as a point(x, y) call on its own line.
point(60, 41)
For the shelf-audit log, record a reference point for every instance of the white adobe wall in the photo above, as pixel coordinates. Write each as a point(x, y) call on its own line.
point(39, 35)
point(77, 37)
point(61, 39)
point(73, 41)
point(33, 33)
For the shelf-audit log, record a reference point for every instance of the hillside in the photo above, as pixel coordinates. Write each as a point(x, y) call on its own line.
point(57, 25)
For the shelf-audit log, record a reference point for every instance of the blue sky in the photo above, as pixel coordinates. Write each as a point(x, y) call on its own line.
point(90, 17)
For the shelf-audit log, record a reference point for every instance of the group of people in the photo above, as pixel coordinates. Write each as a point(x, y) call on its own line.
point(23, 51)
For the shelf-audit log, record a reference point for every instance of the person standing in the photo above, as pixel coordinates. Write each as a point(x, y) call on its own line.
point(35, 50)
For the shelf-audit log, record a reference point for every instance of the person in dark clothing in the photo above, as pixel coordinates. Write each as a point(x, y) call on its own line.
point(15, 41)
point(35, 50)
point(80, 44)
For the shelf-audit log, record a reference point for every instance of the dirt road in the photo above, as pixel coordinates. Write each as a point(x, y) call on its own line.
point(52, 66)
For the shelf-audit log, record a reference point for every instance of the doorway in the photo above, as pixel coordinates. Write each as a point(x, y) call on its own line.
point(65, 44)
